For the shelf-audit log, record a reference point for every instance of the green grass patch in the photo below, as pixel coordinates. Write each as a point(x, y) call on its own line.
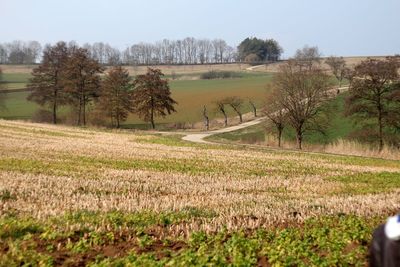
point(15, 80)
point(248, 135)
point(368, 182)
point(17, 107)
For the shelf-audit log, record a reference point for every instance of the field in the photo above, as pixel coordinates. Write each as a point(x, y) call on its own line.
point(106, 198)
point(134, 70)
point(191, 95)
point(350, 61)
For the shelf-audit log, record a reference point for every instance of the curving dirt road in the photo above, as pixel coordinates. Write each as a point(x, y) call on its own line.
point(199, 137)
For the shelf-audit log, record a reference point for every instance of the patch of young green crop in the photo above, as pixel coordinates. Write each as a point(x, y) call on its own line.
point(141, 219)
point(368, 182)
point(337, 240)
point(21, 253)
point(328, 241)
point(14, 228)
point(7, 195)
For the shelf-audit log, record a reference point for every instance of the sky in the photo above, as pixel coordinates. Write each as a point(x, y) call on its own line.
point(337, 27)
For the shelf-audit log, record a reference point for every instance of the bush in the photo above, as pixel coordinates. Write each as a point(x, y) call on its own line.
point(219, 75)
point(42, 116)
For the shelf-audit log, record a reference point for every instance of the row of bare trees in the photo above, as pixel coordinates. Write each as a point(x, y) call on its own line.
point(221, 106)
point(186, 51)
point(19, 52)
point(68, 75)
point(2, 94)
point(301, 90)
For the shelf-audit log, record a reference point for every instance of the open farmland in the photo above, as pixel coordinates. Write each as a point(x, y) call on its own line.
point(191, 95)
point(350, 61)
point(78, 196)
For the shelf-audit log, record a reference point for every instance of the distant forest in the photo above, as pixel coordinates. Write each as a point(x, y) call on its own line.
point(187, 51)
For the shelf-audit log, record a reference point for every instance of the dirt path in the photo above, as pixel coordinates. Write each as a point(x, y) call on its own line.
point(199, 137)
point(255, 67)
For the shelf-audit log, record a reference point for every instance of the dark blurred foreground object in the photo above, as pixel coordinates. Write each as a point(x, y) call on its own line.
point(385, 246)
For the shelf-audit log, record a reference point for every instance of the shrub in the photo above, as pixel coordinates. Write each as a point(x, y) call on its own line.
point(219, 75)
point(42, 115)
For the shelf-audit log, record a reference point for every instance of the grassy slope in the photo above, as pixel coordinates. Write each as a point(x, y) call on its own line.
point(15, 80)
point(81, 196)
point(191, 95)
point(17, 107)
point(340, 127)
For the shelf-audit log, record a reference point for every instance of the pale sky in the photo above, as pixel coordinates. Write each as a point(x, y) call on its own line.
point(337, 27)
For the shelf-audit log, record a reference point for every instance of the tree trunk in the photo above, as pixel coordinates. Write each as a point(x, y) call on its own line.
point(380, 128)
point(254, 108)
point(299, 138)
point(279, 136)
point(153, 126)
point(55, 98)
point(84, 112)
point(55, 108)
point(206, 119)
point(226, 119)
point(118, 121)
point(79, 113)
point(238, 112)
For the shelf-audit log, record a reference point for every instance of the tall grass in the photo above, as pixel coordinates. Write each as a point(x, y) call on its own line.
point(348, 147)
point(340, 146)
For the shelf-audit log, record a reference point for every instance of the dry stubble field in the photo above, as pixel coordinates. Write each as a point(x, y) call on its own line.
point(71, 196)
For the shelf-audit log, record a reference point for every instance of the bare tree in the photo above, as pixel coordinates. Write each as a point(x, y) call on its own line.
point(220, 107)
point(3, 54)
point(374, 94)
point(236, 104)
point(276, 114)
point(300, 92)
point(32, 52)
point(338, 67)
point(219, 46)
point(307, 57)
point(2, 93)
point(206, 119)
point(254, 107)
